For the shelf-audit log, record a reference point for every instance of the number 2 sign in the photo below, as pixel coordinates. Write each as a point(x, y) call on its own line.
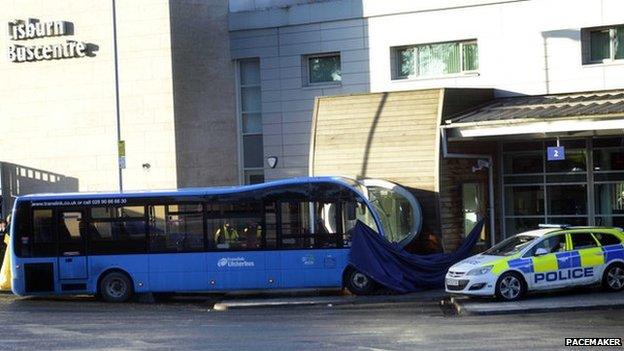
point(555, 153)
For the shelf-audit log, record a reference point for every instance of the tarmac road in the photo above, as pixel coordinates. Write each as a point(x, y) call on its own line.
point(84, 323)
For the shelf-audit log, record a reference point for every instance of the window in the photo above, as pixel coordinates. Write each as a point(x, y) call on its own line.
point(310, 225)
point(322, 69)
point(553, 244)
point(43, 242)
point(437, 59)
point(117, 230)
point(540, 191)
point(250, 107)
point(583, 241)
point(176, 228)
point(607, 239)
point(603, 44)
point(236, 226)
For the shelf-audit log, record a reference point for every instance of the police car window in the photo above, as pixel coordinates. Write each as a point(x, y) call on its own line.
point(583, 241)
point(552, 244)
point(607, 239)
point(510, 246)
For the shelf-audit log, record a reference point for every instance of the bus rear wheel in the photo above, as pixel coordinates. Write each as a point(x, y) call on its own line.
point(115, 287)
point(359, 283)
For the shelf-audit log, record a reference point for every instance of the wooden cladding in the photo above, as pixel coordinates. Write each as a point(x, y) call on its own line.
point(381, 135)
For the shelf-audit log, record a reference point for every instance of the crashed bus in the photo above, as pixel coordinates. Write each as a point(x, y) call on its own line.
point(285, 234)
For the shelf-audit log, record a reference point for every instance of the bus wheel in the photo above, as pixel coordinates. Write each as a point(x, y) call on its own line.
point(613, 277)
point(359, 283)
point(115, 287)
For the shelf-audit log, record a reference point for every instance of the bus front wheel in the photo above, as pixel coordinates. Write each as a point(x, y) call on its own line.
point(115, 287)
point(359, 283)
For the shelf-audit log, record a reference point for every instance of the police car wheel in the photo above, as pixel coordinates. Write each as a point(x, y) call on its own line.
point(510, 287)
point(359, 283)
point(613, 278)
point(115, 287)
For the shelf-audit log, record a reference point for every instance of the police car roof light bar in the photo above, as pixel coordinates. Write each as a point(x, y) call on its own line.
point(562, 226)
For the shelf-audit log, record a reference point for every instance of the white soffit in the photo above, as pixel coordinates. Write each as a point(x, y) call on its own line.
point(538, 127)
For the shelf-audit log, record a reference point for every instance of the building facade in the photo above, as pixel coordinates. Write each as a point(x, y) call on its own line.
point(363, 51)
point(155, 75)
point(145, 94)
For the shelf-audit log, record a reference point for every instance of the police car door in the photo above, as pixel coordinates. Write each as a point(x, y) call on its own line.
point(590, 257)
point(548, 257)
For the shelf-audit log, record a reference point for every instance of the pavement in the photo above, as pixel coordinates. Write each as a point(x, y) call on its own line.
point(571, 300)
point(328, 298)
point(81, 323)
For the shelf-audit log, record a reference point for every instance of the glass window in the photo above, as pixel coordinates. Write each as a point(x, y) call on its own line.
point(310, 225)
point(324, 69)
point(172, 231)
point(606, 239)
point(553, 244)
point(117, 237)
point(395, 212)
point(600, 45)
point(470, 57)
point(250, 72)
point(575, 161)
point(609, 198)
point(618, 43)
point(252, 123)
point(436, 59)
point(250, 97)
point(583, 241)
point(254, 176)
point(510, 246)
point(609, 154)
point(605, 44)
point(253, 154)
point(44, 243)
point(611, 221)
point(69, 228)
point(406, 59)
point(518, 225)
point(235, 226)
point(524, 200)
point(117, 212)
point(523, 162)
point(567, 199)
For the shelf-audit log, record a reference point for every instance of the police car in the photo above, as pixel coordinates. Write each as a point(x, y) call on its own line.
point(551, 257)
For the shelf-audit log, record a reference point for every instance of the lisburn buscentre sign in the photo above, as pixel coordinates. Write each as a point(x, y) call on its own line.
point(22, 30)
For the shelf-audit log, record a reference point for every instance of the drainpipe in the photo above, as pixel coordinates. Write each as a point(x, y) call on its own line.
point(446, 154)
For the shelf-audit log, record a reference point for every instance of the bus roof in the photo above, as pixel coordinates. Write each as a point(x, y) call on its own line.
point(189, 191)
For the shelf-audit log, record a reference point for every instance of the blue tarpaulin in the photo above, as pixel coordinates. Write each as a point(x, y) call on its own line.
point(399, 270)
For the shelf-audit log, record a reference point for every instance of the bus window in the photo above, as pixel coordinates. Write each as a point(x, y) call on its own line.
point(235, 226)
point(44, 243)
point(117, 230)
point(310, 225)
point(352, 213)
point(176, 228)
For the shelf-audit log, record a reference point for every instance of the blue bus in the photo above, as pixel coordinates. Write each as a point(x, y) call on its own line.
point(284, 234)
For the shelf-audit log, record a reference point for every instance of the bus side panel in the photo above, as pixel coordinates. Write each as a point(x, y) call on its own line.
point(313, 268)
point(135, 265)
point(178, 272)
point(36, 284)
point(237, 270)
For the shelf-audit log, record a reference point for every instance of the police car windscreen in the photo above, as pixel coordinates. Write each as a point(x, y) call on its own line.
point(510, 246)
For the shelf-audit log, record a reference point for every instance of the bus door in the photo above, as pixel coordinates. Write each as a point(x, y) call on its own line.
point(72, 258)
point(312, 252)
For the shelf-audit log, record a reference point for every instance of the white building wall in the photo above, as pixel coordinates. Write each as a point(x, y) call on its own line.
point(525, 47)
